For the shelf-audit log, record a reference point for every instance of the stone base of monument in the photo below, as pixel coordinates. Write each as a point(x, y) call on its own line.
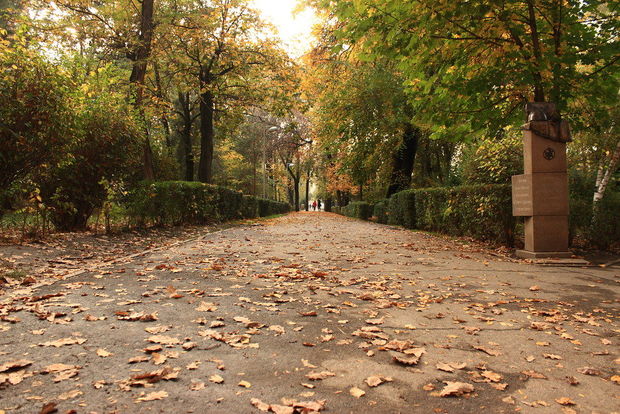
point(525, 254)
point(541, 193)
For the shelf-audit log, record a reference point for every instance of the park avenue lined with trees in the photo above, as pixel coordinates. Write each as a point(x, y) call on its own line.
point(157, 156)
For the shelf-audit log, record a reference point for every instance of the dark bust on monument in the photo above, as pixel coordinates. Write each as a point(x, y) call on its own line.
point(544, 120)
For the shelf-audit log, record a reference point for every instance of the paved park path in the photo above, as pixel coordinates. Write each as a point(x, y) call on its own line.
point(313, 311)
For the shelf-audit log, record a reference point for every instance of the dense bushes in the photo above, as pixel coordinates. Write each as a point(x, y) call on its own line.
point(401, 209)
point(35, 114)
point(182, 202)
point(492, 161)
point(268, 208)
point(598, 230)
point(249, 207)
point(358, 209)
point(65, 131)
point(105, 148)
point(605, 226)
point(480, 211)
point(380, 211)
point(484, 212)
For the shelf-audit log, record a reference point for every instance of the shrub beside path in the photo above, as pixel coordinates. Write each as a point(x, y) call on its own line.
point(314, 312)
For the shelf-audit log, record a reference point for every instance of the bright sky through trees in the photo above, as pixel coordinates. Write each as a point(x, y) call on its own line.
point(295, 29)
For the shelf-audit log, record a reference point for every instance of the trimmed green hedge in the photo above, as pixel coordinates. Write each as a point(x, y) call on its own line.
point(249, 206)
point(480, 211)
point(268, 208)
point(380, 211)
point(483, 212)
point(358, 209)
point(601, 231)
point(402, 209)
point(183, 202)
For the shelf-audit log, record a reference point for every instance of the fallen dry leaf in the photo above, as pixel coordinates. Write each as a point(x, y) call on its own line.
point(376, 380)
point(158, 358)
point(136, 316)
point(69, 395)
point(206, 307)
point(487, 350)
point(216, 379)
point(281, 409)
point(197, 386)
point(164, 340)
point(413, 360)
point(444, 367)
point(317, 376)
point(139, 358)
point(63, 371)
point(157, 329)
point(153, 396)
point(589, 371)
point(456, 389)
point(533, 374)
point(14, 365)
point(492, 376)
point(260, 405)
point(356, 392)
point(49, 408)
point(65, 341)
point(565, 401)
point(103, 353)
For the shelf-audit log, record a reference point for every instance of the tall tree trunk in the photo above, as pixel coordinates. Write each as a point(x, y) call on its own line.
point(163, 117)
point(138, 74)
point(539, 91)
point(254, 175)
point(296, 190)
point(205, 165)
point(291, 194)
point(403, 160)
point(328, 204)
point(607, 168)
point(556, 89)
point(147, 157)
point(308, 193)
point(186, 135)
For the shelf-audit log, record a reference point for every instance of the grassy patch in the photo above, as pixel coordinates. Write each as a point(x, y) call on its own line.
point(16, 274)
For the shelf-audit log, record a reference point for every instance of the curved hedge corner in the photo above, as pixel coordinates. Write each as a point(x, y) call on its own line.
point(183, 202)
point(380, 211)
point(358, 209)
point(401, 209)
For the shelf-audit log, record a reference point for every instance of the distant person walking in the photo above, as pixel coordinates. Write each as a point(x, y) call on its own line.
point(314, 205)
point(319, 205)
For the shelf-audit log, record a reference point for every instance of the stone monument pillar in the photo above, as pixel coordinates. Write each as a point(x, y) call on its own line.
point(541, 194)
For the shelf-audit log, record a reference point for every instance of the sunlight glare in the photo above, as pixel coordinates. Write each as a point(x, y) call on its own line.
point(295, 30)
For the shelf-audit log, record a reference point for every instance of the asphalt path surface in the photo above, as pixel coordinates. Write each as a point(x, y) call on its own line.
point(314, 311)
